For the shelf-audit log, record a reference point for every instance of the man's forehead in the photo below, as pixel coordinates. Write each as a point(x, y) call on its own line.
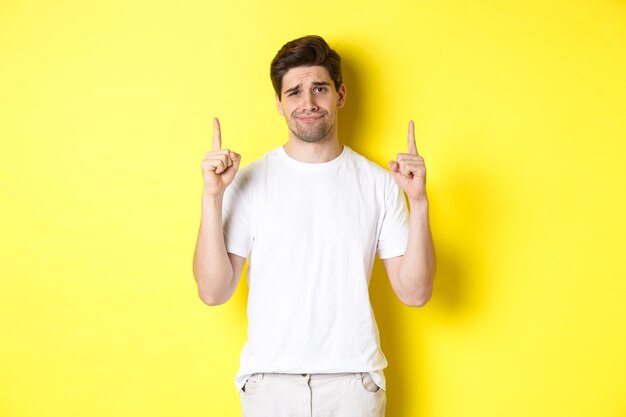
point(299, 75)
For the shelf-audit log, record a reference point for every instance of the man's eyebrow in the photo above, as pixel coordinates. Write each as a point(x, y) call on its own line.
point(297, 87)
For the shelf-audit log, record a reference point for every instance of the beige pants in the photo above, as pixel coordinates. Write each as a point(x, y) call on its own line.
point(312, 395)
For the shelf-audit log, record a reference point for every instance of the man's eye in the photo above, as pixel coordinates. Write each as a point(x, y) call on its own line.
point(293, 93)
point(320, 89)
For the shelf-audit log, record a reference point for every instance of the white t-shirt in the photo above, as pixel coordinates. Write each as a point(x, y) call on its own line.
point(310, 233)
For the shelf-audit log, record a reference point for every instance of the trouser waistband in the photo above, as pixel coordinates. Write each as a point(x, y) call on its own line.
point(355, 375)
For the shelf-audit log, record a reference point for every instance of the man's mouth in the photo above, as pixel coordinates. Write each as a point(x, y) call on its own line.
point(309, 117)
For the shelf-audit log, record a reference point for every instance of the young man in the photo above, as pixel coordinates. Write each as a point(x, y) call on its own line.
point(311, 216)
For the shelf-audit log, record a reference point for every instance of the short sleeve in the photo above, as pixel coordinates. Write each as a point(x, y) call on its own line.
point(236, 216)
point(394, 232)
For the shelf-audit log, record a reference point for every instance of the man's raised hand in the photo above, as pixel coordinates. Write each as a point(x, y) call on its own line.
point(409, 170)
point(220, 165)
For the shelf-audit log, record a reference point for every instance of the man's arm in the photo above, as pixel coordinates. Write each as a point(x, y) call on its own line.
point(412, 274)
point(216, 271)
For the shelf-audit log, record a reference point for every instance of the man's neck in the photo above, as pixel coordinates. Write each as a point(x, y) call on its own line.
point(313, 152)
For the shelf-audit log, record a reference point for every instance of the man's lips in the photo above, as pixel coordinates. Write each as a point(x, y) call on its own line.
point(309, 117)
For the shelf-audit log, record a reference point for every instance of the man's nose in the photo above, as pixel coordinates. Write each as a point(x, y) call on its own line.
point(309, 102)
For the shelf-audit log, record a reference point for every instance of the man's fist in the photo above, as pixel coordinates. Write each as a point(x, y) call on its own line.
point(409, 170)
point(220, 165)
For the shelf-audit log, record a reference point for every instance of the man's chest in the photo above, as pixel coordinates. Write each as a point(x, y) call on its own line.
point(332, 212)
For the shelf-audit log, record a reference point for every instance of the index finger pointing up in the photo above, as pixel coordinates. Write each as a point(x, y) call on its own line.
point(411, 139)
point(217, 135)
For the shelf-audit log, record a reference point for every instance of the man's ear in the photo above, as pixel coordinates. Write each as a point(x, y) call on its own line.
point(279, 107)
point(342, 96)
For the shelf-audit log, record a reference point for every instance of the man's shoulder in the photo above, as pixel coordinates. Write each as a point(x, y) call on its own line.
point(261, 162)
point(362, 163)
point(247, 174)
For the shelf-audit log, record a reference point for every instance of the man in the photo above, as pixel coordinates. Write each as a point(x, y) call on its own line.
point(310, 216)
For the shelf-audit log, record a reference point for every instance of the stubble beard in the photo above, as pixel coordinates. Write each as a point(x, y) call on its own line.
point(314, 133)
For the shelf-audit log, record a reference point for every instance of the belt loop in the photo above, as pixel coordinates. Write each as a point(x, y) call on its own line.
point(358, 375)
point(261, 375)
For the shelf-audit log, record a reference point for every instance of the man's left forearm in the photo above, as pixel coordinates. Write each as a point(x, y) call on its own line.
point(417, 270)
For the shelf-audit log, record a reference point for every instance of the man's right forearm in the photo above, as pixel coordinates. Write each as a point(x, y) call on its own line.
point(211, 265)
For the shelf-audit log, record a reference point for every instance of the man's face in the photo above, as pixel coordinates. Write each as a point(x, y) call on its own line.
point(309, 102)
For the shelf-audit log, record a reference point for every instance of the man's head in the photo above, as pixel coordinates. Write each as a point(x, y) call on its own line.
point(306, 75)
point(307, 51)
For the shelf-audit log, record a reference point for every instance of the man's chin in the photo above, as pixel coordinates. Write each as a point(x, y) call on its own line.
point(310, 137)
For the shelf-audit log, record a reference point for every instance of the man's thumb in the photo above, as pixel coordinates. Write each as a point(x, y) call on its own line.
point(400, 179)
point(236, 158)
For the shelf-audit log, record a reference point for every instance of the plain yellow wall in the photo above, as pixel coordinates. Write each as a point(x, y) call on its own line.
point(105, 113)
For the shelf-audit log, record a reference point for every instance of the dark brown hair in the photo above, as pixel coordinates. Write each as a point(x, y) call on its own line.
point(304, 52)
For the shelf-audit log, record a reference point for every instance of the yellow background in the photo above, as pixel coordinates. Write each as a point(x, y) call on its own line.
point(105, 114)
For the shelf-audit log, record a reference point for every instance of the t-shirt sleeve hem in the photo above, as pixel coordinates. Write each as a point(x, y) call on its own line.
point(238, 250)
point(391, 252)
